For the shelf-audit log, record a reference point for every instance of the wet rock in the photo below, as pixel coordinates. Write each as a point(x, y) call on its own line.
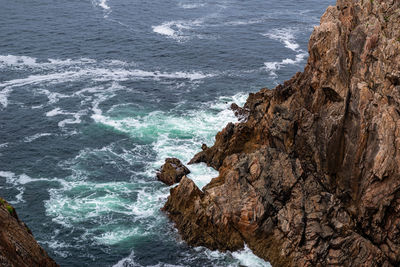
point(240, 113)
point(204, 147)
point(312, 176)
point(172, 171)
point(18, 247)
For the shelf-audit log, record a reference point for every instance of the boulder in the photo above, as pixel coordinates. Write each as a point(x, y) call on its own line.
point(172, 171)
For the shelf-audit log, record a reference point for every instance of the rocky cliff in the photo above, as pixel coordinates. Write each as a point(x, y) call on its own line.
point(18, 248)
point(311, 176)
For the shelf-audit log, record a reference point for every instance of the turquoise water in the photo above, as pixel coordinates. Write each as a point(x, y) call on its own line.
point(94, 95)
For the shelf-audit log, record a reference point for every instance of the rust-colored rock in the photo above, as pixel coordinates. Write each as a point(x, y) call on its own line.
point(18, 248)
point(172, 171)
point(240, 113)
point(312, 176)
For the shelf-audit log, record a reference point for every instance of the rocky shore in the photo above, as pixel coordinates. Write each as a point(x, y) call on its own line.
point(310, 176)
point(18, 247)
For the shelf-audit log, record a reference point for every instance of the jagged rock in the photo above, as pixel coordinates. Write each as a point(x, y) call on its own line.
point(18, 247)
point(172, 171)
point(204, 147)
point(240, 113)
point(312, 177)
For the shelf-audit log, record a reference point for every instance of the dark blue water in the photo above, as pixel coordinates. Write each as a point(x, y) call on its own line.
point(95, 94)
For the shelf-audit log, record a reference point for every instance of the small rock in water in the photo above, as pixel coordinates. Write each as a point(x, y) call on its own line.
point(204, 147)
point(172, 171)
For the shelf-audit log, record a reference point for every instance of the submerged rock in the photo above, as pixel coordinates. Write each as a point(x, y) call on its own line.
point(172, 171)
point(312, 177)
point(18, 247)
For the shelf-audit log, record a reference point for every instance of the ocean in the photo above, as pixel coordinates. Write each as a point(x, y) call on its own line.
point(94, 95)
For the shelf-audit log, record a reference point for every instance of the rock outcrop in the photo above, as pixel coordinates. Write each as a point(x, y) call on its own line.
point(18, 248)
point(312, 176)
point(172, 171)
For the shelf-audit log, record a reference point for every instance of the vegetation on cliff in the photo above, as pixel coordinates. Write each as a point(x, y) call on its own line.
point(18, 247)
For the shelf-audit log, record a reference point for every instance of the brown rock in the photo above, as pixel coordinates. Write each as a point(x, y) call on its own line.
point(312, 176)
point(172, 171)
point(18, 247)
point(240, 113)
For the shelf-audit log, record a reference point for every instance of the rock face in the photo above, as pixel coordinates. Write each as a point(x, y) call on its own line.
point(18, 248)
point(312, 176)
point(172, 171)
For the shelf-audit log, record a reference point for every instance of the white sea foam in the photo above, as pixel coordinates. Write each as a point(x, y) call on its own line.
point(164, 29)
point(97, 74)
point(4, 97)
point(286, 36)
point(76, 119)
point(6, 174)
point(180, 30)
point(244, 257)
point(25, 61)
point(272, 67)
point(127, 262)
point(18, 182)
point(22, 179)
point(54, 112)
point(11, 60)
point(245, 22)
point(53, 97)
point(58, 247)
point(4, 145)
point(247, 258)
point(35, 136)
point(191, 5)
point(103, 4)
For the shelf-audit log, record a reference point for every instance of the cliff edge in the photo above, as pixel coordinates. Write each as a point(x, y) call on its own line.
point(18, 248)
point(311, 176)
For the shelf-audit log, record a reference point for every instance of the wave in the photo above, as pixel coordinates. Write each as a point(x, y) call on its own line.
point(179, 30)
point(103, 5)
point(25, 61)
point(245, 22)
point(191, 5)
point(3, 145)
point(100, 74)
point(18, 182)
point(35, 136)
point(244, 257)
point(4, 97)
point(247, 258)
point(286, 36)
point(272, 67)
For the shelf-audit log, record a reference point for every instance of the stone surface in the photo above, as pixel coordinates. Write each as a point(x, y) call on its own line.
point(18, 247)
point(240, 113)
point(312, 176)
point(172, 171)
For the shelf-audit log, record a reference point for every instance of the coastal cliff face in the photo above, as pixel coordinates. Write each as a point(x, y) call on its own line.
point(18, 248)
point(311, 175)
